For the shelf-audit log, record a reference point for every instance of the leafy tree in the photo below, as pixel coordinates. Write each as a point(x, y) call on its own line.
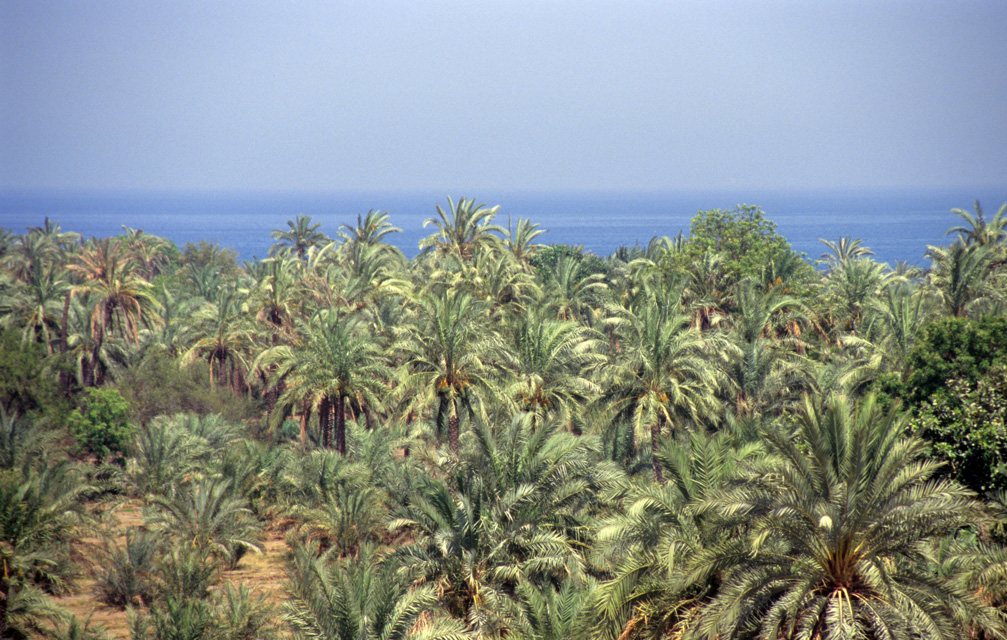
point(967, 424)
point(101, 424)
point(747, 240)
point(26, 383)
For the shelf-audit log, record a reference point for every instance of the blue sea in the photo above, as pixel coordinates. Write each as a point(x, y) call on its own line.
point(897, 224)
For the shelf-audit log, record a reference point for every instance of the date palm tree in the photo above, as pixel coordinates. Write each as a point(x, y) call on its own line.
point(463, 229)
point(224, 336)
point(120, 297)
point(298, 238)
point(832, 536)
point(448, 354)
point(552, 362)
point(961, 275)
point(366, 599)
point(978, 230)
point(208, 516)
point(335, 366)
point(662, 375)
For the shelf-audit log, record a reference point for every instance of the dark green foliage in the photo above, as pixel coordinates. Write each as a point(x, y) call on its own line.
point(101, 424)
point(967, 424)
point(547, 258)
point(955, 348)
point(748, 241)
point(25, 381)
point(158, 386)
point(209, 254)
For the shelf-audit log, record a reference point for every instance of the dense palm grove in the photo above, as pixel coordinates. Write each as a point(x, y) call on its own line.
point(711, 437)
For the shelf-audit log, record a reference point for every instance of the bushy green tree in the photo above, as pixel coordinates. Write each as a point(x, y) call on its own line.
point(745, 237)
point(101, 424)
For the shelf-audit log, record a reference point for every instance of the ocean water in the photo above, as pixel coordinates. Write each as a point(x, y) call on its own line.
point(897, 224)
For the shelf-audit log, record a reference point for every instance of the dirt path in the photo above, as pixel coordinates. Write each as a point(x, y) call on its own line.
point(262, 572)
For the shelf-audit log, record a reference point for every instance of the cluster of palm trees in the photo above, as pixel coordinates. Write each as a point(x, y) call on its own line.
point(500, 438)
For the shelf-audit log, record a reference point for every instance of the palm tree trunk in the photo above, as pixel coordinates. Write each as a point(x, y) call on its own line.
point(443, 409)
point(453, 435)
point(304, 425)
point(340, 426)
point(325, 421)
point(655, 441)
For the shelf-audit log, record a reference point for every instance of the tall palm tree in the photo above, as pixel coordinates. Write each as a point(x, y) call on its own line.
point(463, 229)
point(370, 230)
point(961, 275)
point(299, 238)
point(121, 298)
point(832, 535)
point(519, 241)
point(844, 250)
point(336, 364)
point(552, 362)
point(978, 230)
point(449, 356)
point(662, 375)
point(223, 337)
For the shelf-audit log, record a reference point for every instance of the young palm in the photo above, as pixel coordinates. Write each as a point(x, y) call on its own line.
point(209, 517)
point(361, 600)
point(833, 536)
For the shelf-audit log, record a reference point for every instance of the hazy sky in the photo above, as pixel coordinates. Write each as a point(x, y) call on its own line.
point(474, 94)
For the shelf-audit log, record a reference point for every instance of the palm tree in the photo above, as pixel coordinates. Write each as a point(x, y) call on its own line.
point(463, 229)
point(207, 516)
point(574, 296)
point(448, 355)
point(552, 361)
point(654, 532)
point(961, 276)
point(519, 241)
point(850, 287)
point(831, 537)
point(335, 362)
point(977, 230)
point(299, 238)
point(370, 230)
point(223, 337)
point(844, 250)
point(362, 600)
point(120, 297)
point(36, 305)
point(662, 375)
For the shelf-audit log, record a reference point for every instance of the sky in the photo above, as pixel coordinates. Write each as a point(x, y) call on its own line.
point(519, 95)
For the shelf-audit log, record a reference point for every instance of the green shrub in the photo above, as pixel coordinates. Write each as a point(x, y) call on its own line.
point(101, 424)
